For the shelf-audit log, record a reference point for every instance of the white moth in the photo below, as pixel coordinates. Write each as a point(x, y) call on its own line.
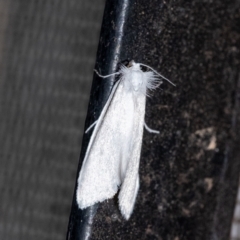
point(113, 154)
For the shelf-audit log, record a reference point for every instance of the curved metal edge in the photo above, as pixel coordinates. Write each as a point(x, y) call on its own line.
point(115, 14)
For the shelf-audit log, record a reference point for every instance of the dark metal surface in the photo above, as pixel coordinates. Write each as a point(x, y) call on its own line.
point(189, 173)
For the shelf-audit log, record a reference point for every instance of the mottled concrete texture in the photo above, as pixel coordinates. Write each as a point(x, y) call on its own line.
point(188, 173)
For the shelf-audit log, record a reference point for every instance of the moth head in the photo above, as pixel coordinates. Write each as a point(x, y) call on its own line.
point(131, 63)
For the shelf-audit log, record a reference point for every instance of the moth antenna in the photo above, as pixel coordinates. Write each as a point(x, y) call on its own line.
point(116, 73)
point(158, 73)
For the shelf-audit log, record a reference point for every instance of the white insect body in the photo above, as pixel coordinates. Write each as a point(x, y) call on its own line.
point(113, 154)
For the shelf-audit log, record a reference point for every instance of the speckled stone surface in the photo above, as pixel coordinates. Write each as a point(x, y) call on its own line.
point(188, 173)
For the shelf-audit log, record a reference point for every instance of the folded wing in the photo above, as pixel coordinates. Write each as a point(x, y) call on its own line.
point(113, 153)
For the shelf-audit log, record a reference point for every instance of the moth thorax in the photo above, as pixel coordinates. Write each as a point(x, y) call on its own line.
point(136, 79)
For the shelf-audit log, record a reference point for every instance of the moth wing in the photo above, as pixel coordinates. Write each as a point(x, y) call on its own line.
point(101, 173)
point(130, 185)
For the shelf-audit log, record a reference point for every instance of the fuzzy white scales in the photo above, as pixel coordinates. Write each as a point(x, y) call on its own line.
point(113, 154)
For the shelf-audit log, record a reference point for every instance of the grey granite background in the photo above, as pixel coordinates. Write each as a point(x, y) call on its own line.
point(47, 55)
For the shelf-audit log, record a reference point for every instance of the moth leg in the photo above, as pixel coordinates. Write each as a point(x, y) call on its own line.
point(150, 130)
point(116, 73)
point(91, 126)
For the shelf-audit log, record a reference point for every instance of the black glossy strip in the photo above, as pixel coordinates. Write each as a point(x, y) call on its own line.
point(109, 48)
